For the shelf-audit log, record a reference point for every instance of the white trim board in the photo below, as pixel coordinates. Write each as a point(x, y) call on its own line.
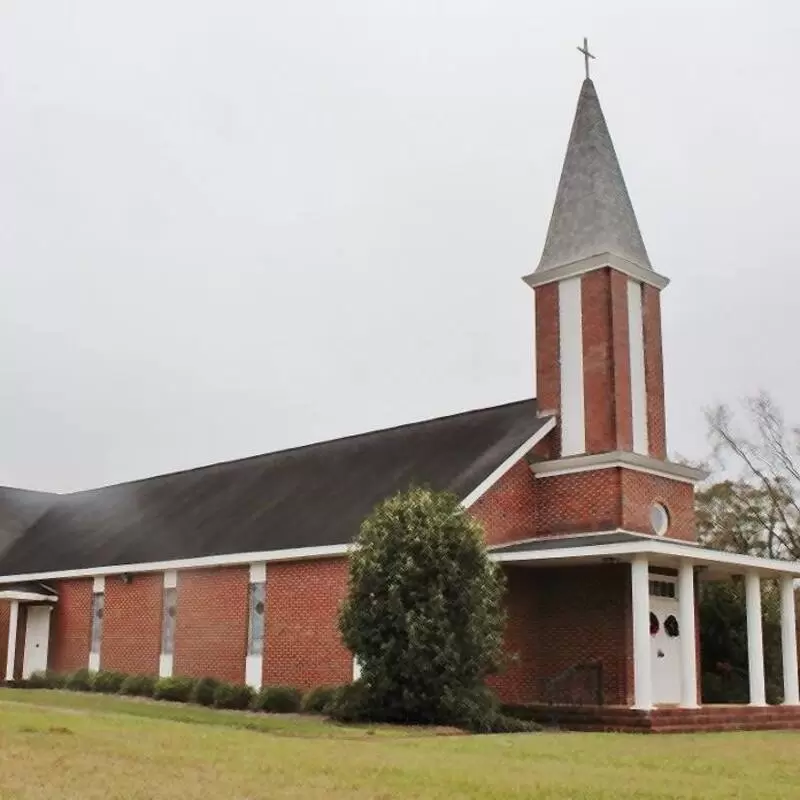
point(599, 261)
point(621, 459)
point(232, 559)
point(28, 597)
point(498, 473)
point(657, 547)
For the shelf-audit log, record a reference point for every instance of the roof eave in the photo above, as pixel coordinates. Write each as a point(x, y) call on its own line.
point(595, 262)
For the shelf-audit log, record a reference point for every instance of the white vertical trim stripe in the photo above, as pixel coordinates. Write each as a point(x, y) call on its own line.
point(99, 584)
point(165, 666)
point(170, 579)
point(253, 670)
point(636, 351)
point(570, 343)
point(258, 573)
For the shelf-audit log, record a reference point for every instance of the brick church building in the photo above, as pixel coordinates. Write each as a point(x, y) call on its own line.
point(237, 570)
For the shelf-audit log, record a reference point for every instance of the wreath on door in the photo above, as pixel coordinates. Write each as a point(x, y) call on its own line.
point(671, 627)
point(654, 624)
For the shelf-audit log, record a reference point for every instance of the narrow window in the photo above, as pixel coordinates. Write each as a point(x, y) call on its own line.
point(255, 633)
point(98, 602)
point(168, 621)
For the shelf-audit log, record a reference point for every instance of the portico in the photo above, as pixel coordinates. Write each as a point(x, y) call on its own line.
point(662, 610)
point(30, 605)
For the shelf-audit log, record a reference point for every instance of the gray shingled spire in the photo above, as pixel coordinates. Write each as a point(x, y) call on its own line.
point(593, 212)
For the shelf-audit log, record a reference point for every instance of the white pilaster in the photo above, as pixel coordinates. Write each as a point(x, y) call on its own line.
point(11, 650)
point(636, 352)
point(640, 603)
point(791, 694)
point(570, 345)
point(755, 640)
point(686, 622)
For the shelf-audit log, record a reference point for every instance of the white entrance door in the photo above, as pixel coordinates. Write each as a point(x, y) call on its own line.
point(37, 636)
point(665, 641)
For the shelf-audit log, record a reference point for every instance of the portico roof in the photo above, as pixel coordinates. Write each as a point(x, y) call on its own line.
point(622, 545)
point(29, 592)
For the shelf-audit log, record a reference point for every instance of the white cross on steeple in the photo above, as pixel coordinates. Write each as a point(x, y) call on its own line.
point(586, 55)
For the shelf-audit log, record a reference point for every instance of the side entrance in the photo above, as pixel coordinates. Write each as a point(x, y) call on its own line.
point(665, 640)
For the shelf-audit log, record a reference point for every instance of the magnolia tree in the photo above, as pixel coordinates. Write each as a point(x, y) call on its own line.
point(423, 614)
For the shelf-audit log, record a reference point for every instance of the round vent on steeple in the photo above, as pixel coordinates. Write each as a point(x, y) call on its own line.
point(659, 519)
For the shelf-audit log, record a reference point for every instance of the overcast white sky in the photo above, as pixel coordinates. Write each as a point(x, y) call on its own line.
point(228, 227)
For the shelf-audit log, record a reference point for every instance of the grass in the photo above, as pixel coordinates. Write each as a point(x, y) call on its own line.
point(55, 744)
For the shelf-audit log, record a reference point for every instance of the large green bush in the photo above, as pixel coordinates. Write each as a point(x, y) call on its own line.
point(178, 689)
point(278, 700)
point(424, 613)
point(107, 682)
point(138, 685)
point(232, 695)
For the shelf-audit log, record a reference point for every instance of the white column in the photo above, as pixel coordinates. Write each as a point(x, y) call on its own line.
point(755, 640)
point(640, 602)
point(686, 622)
point(11, 651)
point(791, 694)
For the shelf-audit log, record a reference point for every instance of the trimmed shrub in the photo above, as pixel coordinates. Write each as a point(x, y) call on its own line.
point(350, 703)
point(317, 700)
point(177, 689)
point(232, 695)
point(107, 682)
point(79, 681)
point(278, 700)
point(138, 685)
point(46, 680)
point(203, 692)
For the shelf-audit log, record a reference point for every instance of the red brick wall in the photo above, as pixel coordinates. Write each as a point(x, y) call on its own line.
point(548, 377)
point(598, 361)
point(211, 623)
point(562, 616)
point(580, 502)
point(508, 510)
point(621, 348)
point(640, 491)
point(584, 612)
point(303, 647)
point(654, 372)
point(132, 624)
point(72, 624)
point(517, 682)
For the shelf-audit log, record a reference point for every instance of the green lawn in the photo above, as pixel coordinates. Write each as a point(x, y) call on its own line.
point(60, 745)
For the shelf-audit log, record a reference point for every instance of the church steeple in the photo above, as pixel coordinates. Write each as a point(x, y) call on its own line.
point(593, 213)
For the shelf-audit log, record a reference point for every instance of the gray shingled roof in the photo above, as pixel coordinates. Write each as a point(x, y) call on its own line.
point(593, 213)
point(569, 542)
point(304, 497)
point(19, 509)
